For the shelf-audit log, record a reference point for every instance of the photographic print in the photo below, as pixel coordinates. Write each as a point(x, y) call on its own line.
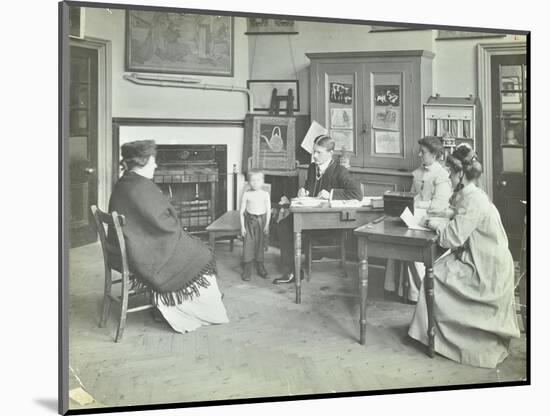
point(385, 95)
point(341, 93)
point(262, 90)
point(184, 284)
point(343, 139)
point(387, 142)
point(341, 118)
point(386, 118)
point(266, 26)
point(179, 43)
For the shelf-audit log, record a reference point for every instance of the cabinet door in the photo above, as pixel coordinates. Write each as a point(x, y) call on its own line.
point(387, 104)
point(340, 106)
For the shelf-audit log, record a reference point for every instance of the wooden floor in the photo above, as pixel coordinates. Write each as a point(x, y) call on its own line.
point(271, 347)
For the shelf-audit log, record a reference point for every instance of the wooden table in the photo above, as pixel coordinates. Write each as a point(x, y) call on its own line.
point(392, 239)
point(325, 218)
point(228, 225)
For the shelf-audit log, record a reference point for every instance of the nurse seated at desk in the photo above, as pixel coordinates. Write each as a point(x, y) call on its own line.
point(432, 188)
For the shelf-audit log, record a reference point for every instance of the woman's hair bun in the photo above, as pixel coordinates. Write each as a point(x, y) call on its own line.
point(465, 159)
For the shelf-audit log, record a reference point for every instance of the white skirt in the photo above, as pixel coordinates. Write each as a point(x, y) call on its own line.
point(205, 309)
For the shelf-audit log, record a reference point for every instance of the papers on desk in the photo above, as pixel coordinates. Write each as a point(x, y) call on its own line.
point(314, 131)
point(306, 201)
point(345, 203)
point(416, 221)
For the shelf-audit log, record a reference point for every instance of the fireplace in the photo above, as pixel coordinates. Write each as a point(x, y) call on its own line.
point(194, 178)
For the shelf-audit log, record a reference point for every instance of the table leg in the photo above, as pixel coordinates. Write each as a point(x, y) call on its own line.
point(364, 283)
point(429, 286)
point(298, 265)
point(343, 239)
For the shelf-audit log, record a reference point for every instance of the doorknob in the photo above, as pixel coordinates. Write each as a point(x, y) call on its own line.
point(503, 183)
point(89, 171)
point(365, 128)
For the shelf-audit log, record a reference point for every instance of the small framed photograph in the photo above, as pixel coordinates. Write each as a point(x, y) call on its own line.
point(341, 93)
point(263, 89)
point(263, 26)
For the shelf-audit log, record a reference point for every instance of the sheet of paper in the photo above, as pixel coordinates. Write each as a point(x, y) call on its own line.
point(412, 221)
point(80, 396)
point(314, 130)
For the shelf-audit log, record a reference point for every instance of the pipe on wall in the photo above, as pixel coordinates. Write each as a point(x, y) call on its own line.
point(190, 83)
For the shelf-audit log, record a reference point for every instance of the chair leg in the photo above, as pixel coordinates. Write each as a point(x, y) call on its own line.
point(343, 239)
point(123, 309)
point(404, 276)
point(231, 245)
point(106, 298)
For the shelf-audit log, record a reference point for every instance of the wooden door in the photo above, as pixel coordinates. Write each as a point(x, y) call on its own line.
point(338, 106)
point(509, 142)
point(83, 143)
point(388, 115)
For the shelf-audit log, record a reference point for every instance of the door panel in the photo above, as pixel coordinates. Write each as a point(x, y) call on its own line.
point(509, 142)
point(387, 106)
point(340, 88)
point(83, 143)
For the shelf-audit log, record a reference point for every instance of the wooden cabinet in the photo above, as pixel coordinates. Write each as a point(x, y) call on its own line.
point(371, 103)
point(455, 119)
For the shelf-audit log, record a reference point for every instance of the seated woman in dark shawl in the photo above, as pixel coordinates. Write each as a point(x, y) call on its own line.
point(179, 270)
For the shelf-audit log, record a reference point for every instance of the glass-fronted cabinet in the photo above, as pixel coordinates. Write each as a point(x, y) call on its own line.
point(371, 104)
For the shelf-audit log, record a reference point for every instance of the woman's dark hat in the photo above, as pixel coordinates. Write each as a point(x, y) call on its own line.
point(138, 149)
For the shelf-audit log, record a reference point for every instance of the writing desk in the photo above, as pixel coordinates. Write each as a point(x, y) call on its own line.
point(325, 218)
point(392, 239)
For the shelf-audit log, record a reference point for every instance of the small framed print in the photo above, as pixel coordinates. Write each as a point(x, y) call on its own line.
point(341, 93)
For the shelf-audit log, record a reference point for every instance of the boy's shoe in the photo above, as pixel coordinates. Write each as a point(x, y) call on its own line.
point(260, 269)
point(247, 271)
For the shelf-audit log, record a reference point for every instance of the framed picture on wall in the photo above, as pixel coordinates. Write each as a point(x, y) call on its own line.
point(179, 43)
point(263, 26)
point(458, 34)
point(262, 89)
point(273, 141)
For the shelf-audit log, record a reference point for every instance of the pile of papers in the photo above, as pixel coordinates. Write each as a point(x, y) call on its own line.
point(416, 221)
point(371, 201)
point(306, 201)
point(342, 203)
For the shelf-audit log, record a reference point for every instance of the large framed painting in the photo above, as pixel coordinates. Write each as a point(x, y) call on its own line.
point(179, 43)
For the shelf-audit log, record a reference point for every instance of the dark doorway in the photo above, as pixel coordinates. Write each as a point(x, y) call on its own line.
point(509, 142)
point(83, 143)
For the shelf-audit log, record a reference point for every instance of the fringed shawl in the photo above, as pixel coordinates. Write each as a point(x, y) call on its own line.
point(164, 259)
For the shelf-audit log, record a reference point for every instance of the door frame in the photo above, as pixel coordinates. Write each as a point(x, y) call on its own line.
point(485, 51)
point(104, 115)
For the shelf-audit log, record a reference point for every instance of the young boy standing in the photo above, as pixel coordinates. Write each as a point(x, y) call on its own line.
point(255, 216)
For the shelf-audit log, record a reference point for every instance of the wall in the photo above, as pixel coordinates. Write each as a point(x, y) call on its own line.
point(454, 66)
point(131, 100)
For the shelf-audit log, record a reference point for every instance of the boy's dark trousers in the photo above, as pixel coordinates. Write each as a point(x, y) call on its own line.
point(255, 238)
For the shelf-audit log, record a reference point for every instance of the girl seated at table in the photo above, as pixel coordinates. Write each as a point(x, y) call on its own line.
point(432, 188)
point(474, 311)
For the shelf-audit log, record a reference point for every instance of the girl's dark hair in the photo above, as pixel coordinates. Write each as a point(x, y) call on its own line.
point(433, 144)
point(137, 153)
point(466, 160)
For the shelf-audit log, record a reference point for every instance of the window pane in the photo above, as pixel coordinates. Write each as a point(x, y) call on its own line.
point(512, 159)
point(510, 77)
point(512, 131)
point(511, 102)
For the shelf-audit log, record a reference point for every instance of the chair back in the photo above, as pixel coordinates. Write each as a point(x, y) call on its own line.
point(112, 222)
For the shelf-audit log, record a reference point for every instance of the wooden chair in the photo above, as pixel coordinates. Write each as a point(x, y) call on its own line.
point(311, 246)
point(115, 258)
